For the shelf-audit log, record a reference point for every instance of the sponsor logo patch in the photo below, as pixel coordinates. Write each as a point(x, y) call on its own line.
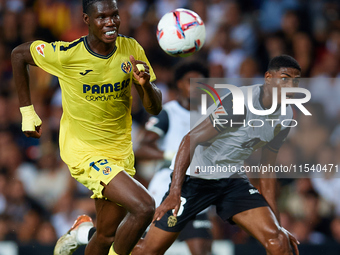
point(86, 72)
point(172, 221)
point(253, 191)
point(40, 49)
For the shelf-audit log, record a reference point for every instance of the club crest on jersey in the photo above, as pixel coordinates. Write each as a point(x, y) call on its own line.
point(126, 67)
point(107, 170)
point(40, 49)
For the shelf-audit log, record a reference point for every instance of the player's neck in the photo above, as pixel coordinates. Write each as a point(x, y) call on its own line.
point(266, 98)
point(98, 46)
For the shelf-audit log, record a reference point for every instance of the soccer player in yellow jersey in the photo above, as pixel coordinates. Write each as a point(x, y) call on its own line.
point(96, 73)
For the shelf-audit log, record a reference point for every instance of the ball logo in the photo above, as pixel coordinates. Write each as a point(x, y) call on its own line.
point(107, 170)
point(126, 67)
point(40, 49)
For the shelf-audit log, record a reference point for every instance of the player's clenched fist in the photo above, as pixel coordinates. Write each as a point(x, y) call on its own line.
point(31, 123)
point(140, 71)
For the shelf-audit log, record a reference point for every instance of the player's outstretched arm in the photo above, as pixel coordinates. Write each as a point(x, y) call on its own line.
point(21, 58)
point(200, 134)
point(150, 95)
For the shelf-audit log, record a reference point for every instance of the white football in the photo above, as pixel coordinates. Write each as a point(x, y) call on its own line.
point(181, 32)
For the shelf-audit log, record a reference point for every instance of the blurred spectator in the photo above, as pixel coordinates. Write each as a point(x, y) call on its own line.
point(164, 6)
point(303, 231)
point(271, 12)
point(53, 179)
point(300, 201)
point(28, 227)
point(215, 12)
point(2, 193)
point(31, 30)
point(241, 32)
point(309, 126)
point(333, 42)
point(290, 25)
point(273, 45)
point(54, 15)
point(46, 234)
point(325, 87)
point(5, 228)
point(15, 5)
point(18, 204)
point(227, 54)
point(327, 182)
point(77, 26)
point(10, 31)
point(303, 52)
point(335, 228)
point(65, 212)
point(250, 69)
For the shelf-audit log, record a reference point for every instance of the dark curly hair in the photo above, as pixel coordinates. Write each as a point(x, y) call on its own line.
point(283, 61)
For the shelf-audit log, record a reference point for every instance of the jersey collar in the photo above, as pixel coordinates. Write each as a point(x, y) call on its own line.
point(96, 54)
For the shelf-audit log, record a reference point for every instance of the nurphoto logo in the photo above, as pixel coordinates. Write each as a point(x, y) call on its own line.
point(238, 104)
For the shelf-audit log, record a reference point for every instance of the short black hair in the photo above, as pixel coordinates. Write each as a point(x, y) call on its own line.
point(87, 4)
point(185, 67)
point(283, 61)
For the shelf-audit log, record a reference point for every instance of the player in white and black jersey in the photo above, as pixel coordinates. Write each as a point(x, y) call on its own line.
point(161, 140)
point(235, 198)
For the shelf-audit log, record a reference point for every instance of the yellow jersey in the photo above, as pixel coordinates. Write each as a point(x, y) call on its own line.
point(96, 96)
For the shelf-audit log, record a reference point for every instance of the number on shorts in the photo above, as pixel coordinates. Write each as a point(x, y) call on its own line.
point(181, 208)
point(101, 162)
point(104, 162)
point(92, 164)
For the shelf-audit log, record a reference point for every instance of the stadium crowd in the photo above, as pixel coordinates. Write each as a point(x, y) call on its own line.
point(38, 198)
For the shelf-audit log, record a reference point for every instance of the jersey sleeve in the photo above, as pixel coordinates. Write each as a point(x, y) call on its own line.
point(46, 56)
point(222, 117)
point(140, 55)
point(158, 124)
point(275, 144)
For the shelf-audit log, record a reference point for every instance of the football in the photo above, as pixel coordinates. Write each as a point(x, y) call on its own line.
point(181, 33)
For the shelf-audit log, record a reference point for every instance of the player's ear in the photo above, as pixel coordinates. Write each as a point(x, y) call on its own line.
point(86, 19)
point(267, 77)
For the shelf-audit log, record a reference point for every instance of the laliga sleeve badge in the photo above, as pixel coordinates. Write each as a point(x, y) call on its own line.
point(126, 67)
point(107, 170)
point(172, 221)
point(40, 49)
point(219, 111)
